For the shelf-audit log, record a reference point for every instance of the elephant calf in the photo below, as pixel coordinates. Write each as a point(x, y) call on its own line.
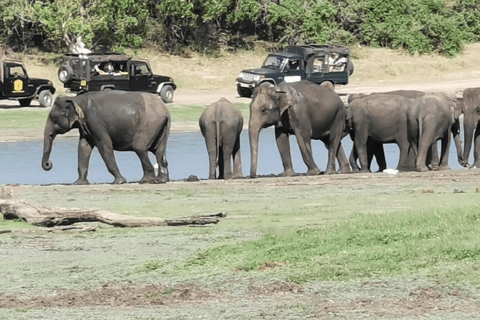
point(221, 124)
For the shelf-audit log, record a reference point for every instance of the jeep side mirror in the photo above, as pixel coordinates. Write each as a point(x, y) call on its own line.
point(287, 68)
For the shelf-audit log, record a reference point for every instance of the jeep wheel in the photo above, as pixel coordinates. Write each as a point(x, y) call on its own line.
point(328, 84)
point(25, 102)
point(65, 74)
point(244, 92)
point(167, 94)
point(45, 98)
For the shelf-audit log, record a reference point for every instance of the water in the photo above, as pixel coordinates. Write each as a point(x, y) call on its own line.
point(186, 155)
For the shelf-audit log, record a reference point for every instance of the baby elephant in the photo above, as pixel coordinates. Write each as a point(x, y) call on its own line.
point(221, 124)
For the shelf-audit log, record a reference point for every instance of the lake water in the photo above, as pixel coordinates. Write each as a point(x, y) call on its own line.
point(20, 162)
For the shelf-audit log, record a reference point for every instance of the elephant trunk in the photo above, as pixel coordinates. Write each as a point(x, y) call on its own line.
point(469, 128)
point(48, 137)
point(253, 134)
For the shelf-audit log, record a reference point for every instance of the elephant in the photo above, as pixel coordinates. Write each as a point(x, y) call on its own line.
point(471, 121)
point(112, 120)
point(307, 110)
point(382, 118)
point(431, 118)
point(221, 125)
point(375, 148)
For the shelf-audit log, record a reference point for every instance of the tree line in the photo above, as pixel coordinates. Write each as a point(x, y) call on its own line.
point(422, 26)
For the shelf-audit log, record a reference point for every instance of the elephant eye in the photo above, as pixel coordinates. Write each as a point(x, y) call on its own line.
point(263, 110)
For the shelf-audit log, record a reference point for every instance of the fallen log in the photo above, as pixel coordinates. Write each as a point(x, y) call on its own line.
point(42, 216)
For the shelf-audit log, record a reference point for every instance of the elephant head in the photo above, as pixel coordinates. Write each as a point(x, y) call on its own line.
point(471, 113)
point(63, 117)
point(266, 109)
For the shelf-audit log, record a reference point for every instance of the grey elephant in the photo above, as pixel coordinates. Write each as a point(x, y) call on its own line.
point(307, 110)
point(375, 148)
point(221, 125)
point(471, 121)
point(382, 118)
point(112, 120)
point(431, 118)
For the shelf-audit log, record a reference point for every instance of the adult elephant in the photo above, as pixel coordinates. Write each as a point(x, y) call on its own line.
point(382, 118)
point(308, 111)
point(471, 120)
point(375, 148)
point(112, 120)
point(431, 118)
point(221, 125)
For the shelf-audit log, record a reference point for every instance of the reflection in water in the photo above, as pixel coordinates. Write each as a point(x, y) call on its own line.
point(186, 155)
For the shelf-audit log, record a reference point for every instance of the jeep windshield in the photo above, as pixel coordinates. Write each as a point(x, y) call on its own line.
point(274, 62)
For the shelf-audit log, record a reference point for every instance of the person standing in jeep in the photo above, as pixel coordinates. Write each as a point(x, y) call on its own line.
point(112, 71)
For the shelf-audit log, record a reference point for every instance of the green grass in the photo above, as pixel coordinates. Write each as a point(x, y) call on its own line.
point(23, 119)
point(193, 112)
point(365, 246)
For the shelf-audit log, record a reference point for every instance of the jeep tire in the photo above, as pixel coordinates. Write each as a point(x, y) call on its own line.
point(45, 98)
point(166, 94)
point(244, 92)
point(328, 84)
point(65, 74)
point(25, 102)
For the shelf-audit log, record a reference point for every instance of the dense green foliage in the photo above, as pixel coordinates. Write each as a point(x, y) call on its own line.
point(422, 26)
point(366, 246)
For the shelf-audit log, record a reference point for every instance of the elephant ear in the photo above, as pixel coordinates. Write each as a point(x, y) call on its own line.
point(287, 99)
point(76, 113)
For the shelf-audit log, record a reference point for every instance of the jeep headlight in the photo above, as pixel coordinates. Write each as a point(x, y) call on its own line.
point(241, 75)
point(256, 77)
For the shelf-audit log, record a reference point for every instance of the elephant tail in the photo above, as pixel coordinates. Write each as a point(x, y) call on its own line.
point(218, 137)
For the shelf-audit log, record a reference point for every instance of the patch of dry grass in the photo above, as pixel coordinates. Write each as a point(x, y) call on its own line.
point(197, 72)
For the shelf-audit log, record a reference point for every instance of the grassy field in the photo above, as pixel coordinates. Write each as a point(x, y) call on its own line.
point(325, 247)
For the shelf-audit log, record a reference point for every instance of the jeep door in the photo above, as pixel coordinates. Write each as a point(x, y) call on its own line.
point(15, 81)
point(141, 77)
point(294, 70)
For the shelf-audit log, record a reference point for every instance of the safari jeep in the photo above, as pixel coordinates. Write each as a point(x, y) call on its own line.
point(112, 71)
point(326, 65)
point(16, 85)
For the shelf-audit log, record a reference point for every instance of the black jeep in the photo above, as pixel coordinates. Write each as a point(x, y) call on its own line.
point(16, 85)
point(110, 70)
point(326, 65)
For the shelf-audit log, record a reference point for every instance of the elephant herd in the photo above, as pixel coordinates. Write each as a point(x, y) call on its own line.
point(140, 122)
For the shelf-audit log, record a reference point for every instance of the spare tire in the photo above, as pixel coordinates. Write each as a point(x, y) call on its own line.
point(65, 74)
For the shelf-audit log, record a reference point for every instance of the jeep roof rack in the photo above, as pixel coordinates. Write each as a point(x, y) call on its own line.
point(101, 56)
point(307, 50)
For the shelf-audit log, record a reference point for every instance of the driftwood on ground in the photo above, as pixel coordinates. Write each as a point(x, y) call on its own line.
point(50, 217)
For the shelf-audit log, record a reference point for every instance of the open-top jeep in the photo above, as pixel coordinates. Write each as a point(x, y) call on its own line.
point(16, 85)
point(323, 64)
point(110, 70)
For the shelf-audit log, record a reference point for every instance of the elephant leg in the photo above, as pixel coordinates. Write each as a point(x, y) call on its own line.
point(211, 142)
point(148, 169)
point(361, 147)
point(237, 159)
point(161, 156)
point(476, 149)
point(221, 163)
point(445, 152)
point(375, 149)
point(425, 143)
point(433, 160)
point(283, 145)
point(305, 145)
point(353, 159)
point(227, 158)
point(342, 160)
point(106, 151)
point(84, 153)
